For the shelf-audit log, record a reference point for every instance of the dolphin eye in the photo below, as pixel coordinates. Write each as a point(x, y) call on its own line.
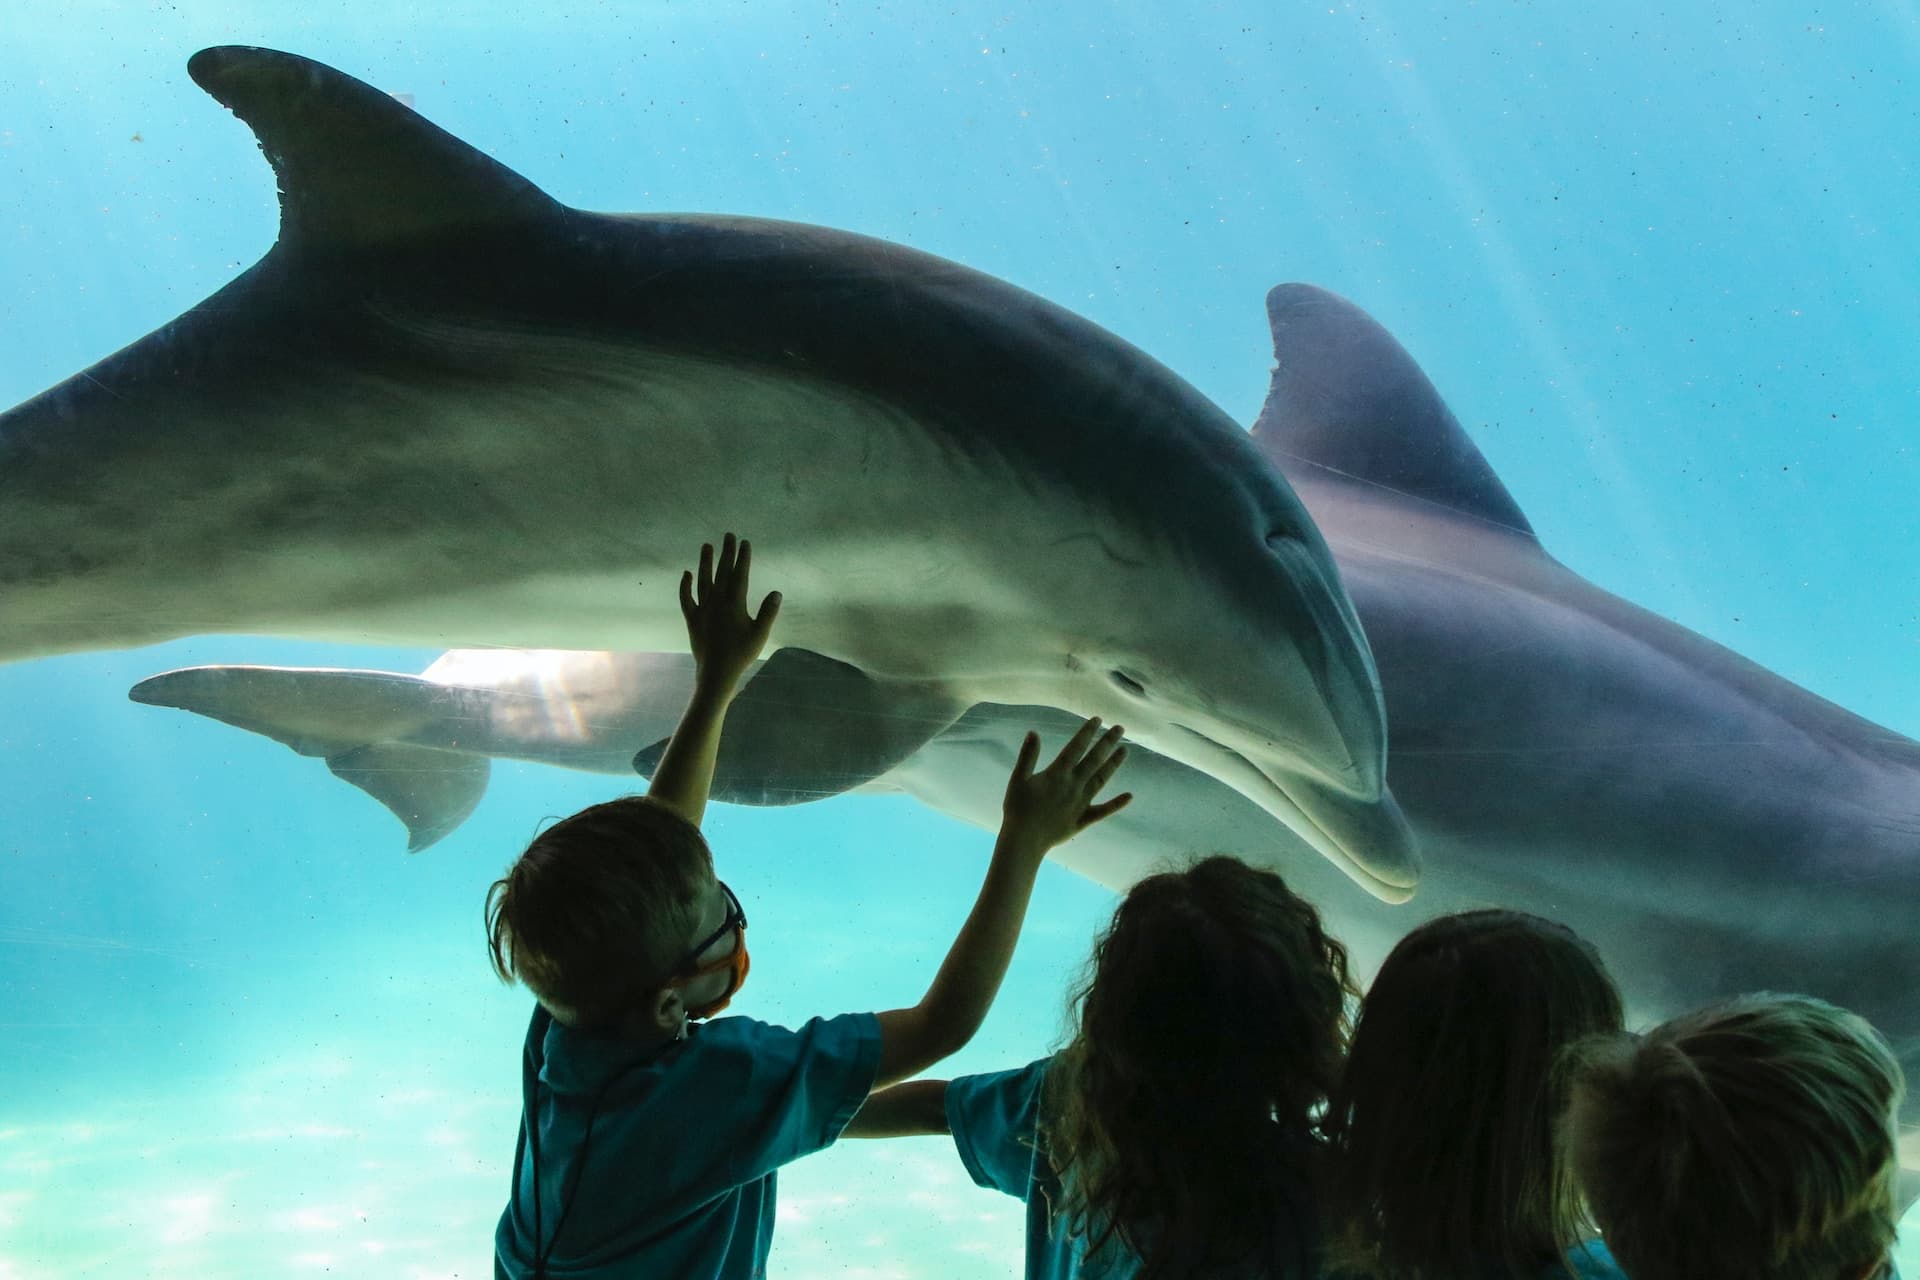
point(1128, 684)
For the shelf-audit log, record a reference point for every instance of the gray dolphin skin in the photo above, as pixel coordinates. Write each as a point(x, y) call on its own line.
point(1711, 827)
point(804, 727)
point(447, 410)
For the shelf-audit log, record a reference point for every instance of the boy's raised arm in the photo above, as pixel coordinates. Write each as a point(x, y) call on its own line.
point(725, 640)
point(1041, 810)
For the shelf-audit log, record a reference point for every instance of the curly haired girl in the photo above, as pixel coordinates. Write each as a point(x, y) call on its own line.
point(1175, 1135)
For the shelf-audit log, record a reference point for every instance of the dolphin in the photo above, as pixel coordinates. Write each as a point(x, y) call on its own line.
point(1710, 826)
point(803, 727)
point(447, 409)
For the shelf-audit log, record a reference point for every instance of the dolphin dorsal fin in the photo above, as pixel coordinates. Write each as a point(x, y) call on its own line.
point(358, 168)
point(1346, 396)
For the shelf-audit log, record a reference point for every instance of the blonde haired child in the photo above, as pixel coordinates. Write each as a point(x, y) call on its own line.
point(1752, 1139)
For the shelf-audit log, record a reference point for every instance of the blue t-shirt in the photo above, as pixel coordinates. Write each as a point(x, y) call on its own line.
point(676, 1178)
point(1592, 1261)
point(993, 1119)
point(1589, 1260)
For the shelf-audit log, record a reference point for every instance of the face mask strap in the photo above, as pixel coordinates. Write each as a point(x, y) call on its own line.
point(736, 965)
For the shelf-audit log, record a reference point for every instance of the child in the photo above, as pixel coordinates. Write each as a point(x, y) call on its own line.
point(1442, 1160)
point(647, 1144)
point(1173, 1137)
point(1754, 1139)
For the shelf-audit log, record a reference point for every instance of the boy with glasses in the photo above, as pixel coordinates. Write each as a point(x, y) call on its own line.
point(648, 1144)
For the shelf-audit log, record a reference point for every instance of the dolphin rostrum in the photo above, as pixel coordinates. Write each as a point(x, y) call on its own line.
point(446, 409)
point(1712, 827)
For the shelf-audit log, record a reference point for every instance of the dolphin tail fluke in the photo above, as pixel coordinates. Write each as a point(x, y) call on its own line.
point(807, 727)
point(356, 167)
point(357, 721)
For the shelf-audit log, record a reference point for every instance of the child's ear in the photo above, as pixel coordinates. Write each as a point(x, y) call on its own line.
point(667, 1012)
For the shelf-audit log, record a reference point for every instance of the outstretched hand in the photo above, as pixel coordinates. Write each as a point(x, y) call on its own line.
point(1048, 808)
point(724, 637)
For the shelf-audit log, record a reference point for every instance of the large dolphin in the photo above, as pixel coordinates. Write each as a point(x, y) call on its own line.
point(446, 409)
point(1712, 827)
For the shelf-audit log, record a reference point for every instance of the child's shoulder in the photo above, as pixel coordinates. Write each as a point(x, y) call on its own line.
point(1592, 1260)
point(738, 1029)
point(749, 1039)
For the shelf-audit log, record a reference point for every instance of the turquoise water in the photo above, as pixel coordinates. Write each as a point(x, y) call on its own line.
point(1660, 263)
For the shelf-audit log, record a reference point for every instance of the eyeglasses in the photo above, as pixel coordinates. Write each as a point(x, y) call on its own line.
point(736, 919)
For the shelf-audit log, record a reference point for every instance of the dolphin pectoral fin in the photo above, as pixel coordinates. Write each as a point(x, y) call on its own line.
point(356, 167)
point(807, 727)
point(429, 790)
point(1347, 397)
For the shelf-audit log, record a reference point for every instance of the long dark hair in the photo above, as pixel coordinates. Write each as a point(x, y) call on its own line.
point(1443, 1159)
point(1210, 1025)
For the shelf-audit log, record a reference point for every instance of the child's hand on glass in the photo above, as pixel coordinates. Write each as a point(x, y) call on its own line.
point(725, 639)
point(1049, 808)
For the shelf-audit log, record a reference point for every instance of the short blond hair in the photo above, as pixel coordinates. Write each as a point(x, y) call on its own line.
point(1753, 1138)
point(597, 911)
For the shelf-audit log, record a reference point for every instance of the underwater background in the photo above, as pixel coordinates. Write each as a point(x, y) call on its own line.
point(1659, 259)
